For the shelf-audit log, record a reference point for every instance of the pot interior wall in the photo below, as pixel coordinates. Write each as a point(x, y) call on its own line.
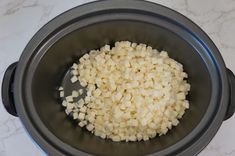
point(53, 65)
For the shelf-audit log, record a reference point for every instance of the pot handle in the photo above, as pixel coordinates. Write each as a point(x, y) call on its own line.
point(231, 106)
point(7, 89)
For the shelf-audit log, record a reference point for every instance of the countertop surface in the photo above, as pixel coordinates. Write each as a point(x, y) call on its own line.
point(21, 19)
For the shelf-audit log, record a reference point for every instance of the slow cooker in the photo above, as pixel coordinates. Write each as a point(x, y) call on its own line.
point(29, 85)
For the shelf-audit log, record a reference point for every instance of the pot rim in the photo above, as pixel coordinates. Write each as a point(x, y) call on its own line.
point(44, 33)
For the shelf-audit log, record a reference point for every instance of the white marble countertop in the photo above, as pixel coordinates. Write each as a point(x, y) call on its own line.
point(21, 19)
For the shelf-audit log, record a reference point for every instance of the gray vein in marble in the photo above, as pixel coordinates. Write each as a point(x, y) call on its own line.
point(9, 129)
point(13, 7)
point(46, 13)
point(30, 4)
point(219, 152)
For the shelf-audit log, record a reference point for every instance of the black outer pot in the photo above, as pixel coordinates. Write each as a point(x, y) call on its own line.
point(29, 86)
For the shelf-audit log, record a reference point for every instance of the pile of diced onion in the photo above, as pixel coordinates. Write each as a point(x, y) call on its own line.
point(133, 92)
